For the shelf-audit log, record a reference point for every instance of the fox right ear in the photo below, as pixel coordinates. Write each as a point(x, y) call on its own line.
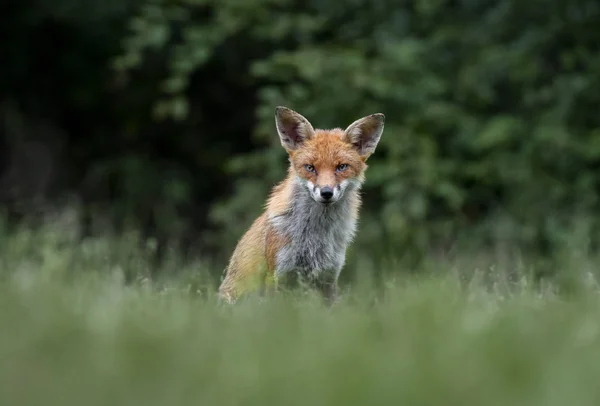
point(365, 133)
point(293, 128)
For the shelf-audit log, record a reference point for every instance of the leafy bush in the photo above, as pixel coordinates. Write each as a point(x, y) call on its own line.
point(491, 137)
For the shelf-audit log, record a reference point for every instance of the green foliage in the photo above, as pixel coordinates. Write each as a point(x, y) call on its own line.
point(490, 125)
point(492, 135)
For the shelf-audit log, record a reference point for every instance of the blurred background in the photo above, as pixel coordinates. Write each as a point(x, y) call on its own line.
point(158, 116)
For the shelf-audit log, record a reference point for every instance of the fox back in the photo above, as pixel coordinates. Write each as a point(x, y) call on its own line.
point(310, 217)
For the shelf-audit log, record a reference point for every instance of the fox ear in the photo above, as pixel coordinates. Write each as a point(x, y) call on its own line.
point(365, 133)
point(292, 127)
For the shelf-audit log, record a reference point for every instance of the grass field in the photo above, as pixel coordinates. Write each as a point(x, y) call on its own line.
point(72, 333)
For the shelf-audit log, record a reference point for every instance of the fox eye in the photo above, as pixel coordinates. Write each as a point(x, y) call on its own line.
point(341, 167)
point(309, 168)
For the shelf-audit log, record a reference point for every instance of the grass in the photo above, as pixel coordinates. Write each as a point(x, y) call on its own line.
point(72, 333)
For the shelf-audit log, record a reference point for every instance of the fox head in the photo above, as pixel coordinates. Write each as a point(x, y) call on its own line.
point(328, 162)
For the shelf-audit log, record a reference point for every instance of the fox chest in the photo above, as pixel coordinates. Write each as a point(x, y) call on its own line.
point(313, 246)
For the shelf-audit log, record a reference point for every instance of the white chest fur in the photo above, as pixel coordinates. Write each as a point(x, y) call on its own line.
point(318, 235)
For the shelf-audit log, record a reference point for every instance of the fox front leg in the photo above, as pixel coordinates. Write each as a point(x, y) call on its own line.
point(327, 286)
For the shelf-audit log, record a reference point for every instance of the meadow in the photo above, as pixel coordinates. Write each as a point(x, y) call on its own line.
point(73, 332)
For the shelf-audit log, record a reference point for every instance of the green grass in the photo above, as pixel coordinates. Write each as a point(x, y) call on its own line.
point(72, 333)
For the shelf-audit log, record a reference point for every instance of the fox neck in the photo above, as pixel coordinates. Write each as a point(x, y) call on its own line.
point(318, 235)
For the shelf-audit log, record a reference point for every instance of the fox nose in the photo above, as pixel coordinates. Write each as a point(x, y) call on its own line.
point(326, 192)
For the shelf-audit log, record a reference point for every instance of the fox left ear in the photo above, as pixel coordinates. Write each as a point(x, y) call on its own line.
point(365, 133)
point(293, 128)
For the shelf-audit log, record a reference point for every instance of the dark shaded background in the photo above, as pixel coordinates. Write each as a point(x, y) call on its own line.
point(158, 115)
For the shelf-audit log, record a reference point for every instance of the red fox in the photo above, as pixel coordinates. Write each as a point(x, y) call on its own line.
point(310, 217)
